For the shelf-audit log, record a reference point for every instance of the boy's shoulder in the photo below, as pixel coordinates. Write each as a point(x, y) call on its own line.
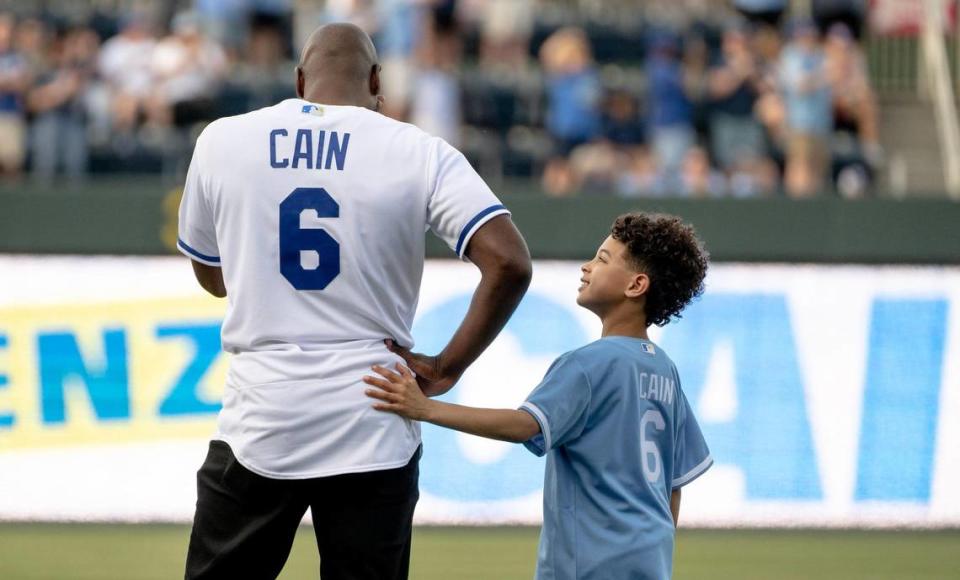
point(613, 351)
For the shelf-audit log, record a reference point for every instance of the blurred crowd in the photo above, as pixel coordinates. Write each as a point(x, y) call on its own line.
point(123, 92)
point(689, 98)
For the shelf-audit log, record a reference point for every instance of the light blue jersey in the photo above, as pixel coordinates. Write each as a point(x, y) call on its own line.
point(621, 437)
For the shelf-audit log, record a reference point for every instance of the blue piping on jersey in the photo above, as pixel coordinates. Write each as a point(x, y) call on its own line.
point(193, 252)
point(473, 222)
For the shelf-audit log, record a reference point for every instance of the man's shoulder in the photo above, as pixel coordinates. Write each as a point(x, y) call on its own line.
point(406, 130)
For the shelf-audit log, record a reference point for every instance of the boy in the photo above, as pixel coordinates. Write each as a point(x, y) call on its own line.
point(622, 434)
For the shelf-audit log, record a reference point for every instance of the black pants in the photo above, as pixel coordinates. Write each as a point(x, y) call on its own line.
point(245, 523)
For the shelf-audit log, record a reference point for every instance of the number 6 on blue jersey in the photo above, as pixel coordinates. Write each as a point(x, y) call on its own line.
point(294, 239)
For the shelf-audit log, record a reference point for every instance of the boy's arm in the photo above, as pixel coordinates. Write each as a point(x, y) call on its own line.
point(400, 394)
point(675, 506)
point(504, 424)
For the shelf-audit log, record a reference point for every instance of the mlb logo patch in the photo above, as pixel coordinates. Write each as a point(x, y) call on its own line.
point(313, 110)
point(647, 348)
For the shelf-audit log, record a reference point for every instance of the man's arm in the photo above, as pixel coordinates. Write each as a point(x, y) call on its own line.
point(501, 254)
point(399, 393)
point(675, 506)
point(211, 278)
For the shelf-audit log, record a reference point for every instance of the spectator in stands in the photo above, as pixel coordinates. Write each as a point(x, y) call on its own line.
point(505, 32)
point(559, 178)
point(31, 42)
point(436, 91)
point(189, 68)
point(670, 110)
point(698, 178)
point(808, 111)
point(400, 25)
point(57, 101)
point(640, 177)
point(621, 119)
point(736, 136)
point(855, 106)
point(264, 71)
point(598, 166)
point(226, 21)
point(573, 89)
point(850, 13)
point(763, 12)
point(126, 67)
point(14, 81)
point(363, 13)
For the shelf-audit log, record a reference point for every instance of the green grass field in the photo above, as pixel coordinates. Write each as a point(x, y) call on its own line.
point(132, 552)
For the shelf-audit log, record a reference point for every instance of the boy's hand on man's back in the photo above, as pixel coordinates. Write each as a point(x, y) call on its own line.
point(398, 393)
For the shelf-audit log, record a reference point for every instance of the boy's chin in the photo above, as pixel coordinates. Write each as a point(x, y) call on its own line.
point(583, 302)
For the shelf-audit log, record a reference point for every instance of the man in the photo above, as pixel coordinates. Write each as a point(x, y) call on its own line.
point(310, 216)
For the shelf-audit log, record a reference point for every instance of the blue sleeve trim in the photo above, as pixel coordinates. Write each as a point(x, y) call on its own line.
point(466, 229)
point(197, 254)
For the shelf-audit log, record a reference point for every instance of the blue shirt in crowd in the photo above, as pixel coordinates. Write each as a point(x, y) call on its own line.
point(574, 112)
point(11, 64)
point(669, 105)
point(620, 436)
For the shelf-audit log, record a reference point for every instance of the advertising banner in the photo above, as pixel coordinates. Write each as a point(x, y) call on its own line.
point(829, 395)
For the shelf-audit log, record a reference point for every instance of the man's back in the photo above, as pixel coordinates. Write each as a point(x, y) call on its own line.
point(318, 216)
point(623, 437)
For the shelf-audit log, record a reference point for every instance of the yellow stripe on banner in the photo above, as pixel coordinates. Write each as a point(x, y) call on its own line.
point(84, 374)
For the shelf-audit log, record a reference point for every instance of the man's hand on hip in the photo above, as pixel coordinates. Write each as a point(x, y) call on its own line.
point(433, 379)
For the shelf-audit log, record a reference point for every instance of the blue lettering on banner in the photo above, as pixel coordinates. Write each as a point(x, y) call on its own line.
point(900, 402)
point(107, 384)
point(543, 328)
point(184, 398)
point(7, 420)
point(770, 437)
point(274, 162)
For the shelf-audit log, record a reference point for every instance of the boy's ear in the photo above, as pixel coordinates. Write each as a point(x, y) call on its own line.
point(639, 285)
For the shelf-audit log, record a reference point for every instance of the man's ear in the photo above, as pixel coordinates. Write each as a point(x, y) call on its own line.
point(639, 285)
point(375, 80)
point(301, 82)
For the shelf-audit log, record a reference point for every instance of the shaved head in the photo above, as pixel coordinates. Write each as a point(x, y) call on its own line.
point(338, 66)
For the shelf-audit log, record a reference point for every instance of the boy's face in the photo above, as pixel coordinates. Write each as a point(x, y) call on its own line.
point(609, 279)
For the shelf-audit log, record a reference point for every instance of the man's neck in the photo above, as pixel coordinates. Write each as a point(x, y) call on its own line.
point(335, 99)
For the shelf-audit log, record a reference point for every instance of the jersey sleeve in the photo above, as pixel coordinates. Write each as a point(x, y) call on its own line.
point(559, 404)
point(691, 457)
point(196, 235)
point(460, 202)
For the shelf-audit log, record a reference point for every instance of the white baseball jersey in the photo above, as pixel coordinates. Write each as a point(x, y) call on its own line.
point(316, 215)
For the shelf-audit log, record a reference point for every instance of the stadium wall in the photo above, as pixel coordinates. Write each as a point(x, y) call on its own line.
point(117, 216)
point(830, 395)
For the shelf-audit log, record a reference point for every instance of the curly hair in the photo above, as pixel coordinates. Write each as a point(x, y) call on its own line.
point(668, 251)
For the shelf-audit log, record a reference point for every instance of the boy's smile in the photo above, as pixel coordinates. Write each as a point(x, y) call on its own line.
point(606, 278)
